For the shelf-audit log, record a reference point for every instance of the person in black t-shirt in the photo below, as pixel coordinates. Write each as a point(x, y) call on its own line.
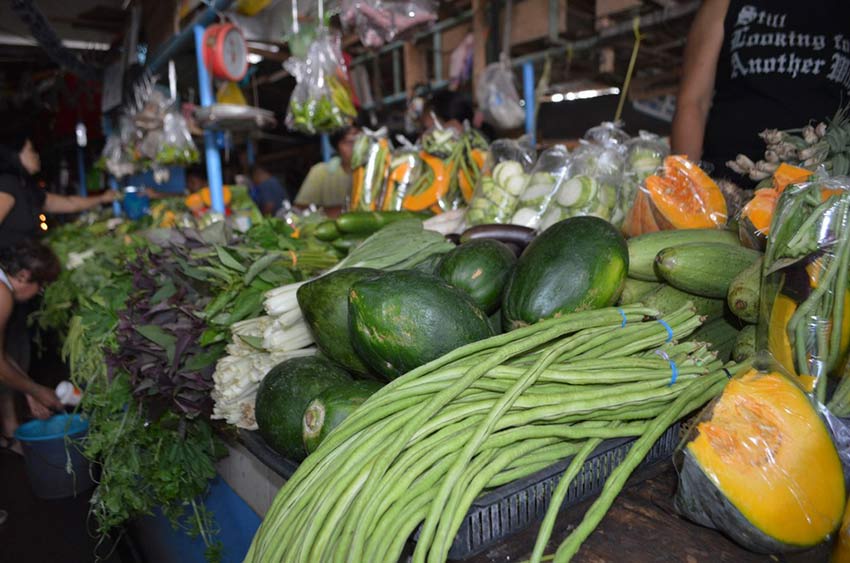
point(752, 65)
point(21, 202)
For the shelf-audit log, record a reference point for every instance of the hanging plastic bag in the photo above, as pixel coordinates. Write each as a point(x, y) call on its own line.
point(378, 22)
point(370, 161)
point(549, 173)
point(321, 101)
point(497, 96)
point(432, 189)
point(761, 466)
point(644, 156)
point(805, 295)
point(680, 196)
point(405, 170)
point(502, 181)
point(176, 147)
point(592, 188)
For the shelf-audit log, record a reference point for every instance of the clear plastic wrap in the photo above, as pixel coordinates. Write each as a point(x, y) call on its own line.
point(550, 171)
point(405, 170)
point(378, 22)
point(370, 161)
point(321, 101)
point(433, 189)
point(680, 196)
point(502, 180)
point(466, 164)
point(805, 297)
point(176, 147)
point(607, 134)
point(592, 188)
point(497, 96)
point(761, 466)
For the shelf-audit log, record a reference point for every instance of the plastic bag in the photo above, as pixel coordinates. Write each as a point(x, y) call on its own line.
point(502, 181)
point(466, 164)
point(498, 98)
point(592, 188)
point(176, 147)
point(370, 161)
point(680, 196)
point(644, 156)
point(432, 190)
point(321, 101)
point(607, 134)
point(805, 295)
point(549, 173)
point(380, 21)
point(405, 171)
point(761, 466)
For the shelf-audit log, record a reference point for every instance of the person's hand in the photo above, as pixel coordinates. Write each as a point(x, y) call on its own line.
point(108, 196)
point(42, 400)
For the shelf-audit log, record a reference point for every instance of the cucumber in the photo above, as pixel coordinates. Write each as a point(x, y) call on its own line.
point(368, 222)
point(346, 243)
point(745, 345)
point(720, 334)
point(331, 407)
point(327, 231)
point(668, 299)
point(743, 296)
point(634, 289)
point(644, 248)
point(702, 268)
point(576, 191)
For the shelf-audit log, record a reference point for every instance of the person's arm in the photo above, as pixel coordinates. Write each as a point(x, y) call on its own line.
point(13, 376)
point(7, 202)
point(699, 70)
point(54, 203)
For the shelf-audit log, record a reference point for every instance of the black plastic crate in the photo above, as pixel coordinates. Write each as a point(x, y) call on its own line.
point(501, 512)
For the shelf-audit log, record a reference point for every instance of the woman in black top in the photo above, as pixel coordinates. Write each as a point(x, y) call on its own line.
point(21, 202)
point(751, 65)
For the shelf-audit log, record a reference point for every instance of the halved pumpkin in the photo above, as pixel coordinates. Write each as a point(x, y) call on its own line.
point(787, 174)
point(640, 219)
point(686, 197)
point(756, 215)
point(763, 468)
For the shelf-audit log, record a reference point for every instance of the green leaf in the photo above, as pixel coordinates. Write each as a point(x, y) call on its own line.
point(259, 266)
point(205, 358)
point(159, 337)
point(211, 336)
point(255, 342)
point(166, 291)
point(228, 260)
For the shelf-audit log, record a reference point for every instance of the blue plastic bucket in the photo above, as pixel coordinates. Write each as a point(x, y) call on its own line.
point(54, 470)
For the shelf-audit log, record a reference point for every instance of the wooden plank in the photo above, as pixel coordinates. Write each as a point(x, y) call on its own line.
point(482, 35)
point(530, 20)
point(415, 66)
point(608, 7)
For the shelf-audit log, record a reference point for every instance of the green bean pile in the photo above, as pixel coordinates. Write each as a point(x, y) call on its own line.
point(419, 451)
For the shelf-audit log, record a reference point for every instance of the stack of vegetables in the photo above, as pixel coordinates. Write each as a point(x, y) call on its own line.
point(707, 267)
point(465, 410)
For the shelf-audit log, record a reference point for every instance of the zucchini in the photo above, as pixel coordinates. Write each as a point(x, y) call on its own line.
point(705, 269)
point(743, 296)
point(644, 248)
point(346, 242)
point(745, 345)
point(668, 299)
point(634, 290)
point(368, 222)
point(327, 231)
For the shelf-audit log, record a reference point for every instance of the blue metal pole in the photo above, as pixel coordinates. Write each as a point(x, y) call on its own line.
point(214, 176)
point(528, 93)
point(327, 150)
point(116, 206)
point(81, 166)
point(251, 153)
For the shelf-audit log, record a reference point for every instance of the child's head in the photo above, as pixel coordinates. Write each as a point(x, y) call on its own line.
point(30, 266)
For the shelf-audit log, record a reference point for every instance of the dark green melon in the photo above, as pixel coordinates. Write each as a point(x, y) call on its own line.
point(331, 407)
point(480, 268)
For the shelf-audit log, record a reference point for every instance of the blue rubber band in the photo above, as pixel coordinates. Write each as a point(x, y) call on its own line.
point(673, 367)
point(669, 330)
point(622, 314)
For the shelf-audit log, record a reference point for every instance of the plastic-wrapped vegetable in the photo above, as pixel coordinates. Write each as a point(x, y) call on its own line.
point(684, 197)
point(549, 173)
point(468, 162)
point(805, 297)
point(592, 189)
point(370, 161)
point(607, 134)
point(756, 215)
point(761, 466)
point(501, 183)
point(405, 170)
point(321, 101)
point(176, 146)
point(431, 190)
point(644, 156)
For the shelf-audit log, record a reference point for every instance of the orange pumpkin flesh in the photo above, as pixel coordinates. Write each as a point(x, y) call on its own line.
point(686, 197)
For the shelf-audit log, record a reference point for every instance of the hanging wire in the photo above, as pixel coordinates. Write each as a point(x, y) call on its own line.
point(624, 91)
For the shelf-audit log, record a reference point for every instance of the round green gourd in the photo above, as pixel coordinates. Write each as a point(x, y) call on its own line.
point(480, 268)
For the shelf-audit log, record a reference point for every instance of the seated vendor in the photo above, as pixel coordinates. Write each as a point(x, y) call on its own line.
point(328, 183)
point(267, 191)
